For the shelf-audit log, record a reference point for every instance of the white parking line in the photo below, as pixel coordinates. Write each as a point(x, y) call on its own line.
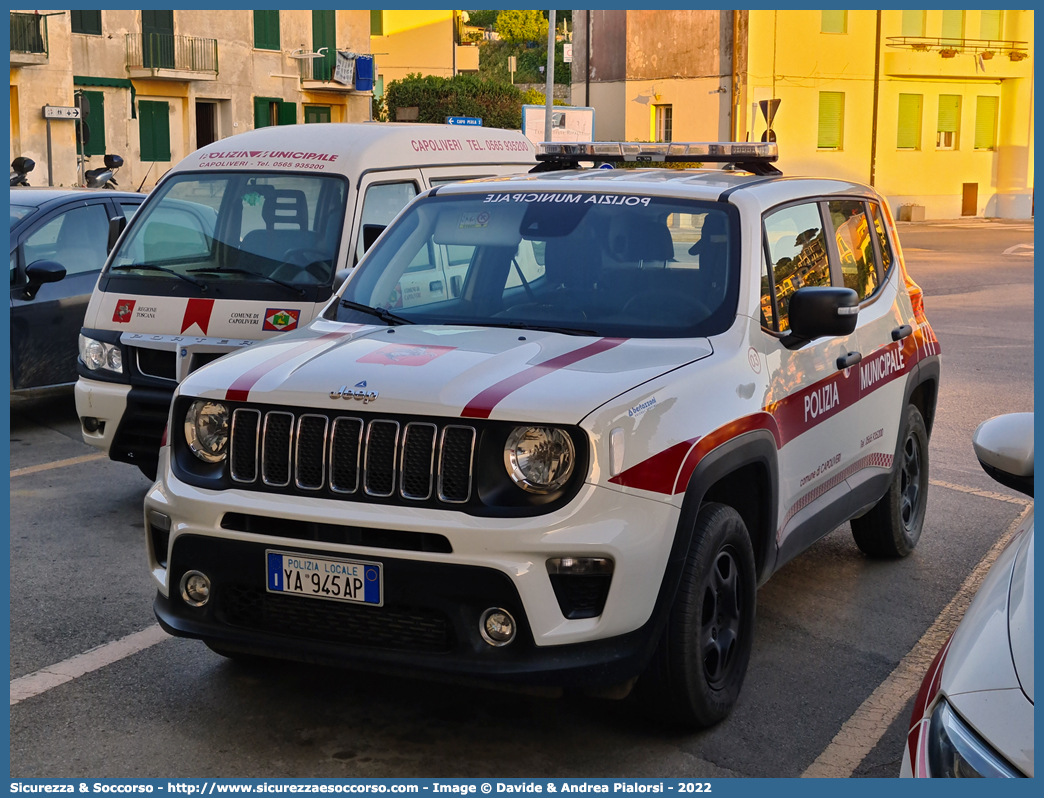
point(84, 458)
point(986, 494)
point(1027, 250)
point(861, 732)
point(33, 684)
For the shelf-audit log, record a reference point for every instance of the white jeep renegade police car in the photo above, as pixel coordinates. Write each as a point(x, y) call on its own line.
point(653, 389)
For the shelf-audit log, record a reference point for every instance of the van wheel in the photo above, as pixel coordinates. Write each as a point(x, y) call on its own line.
point(893, 526)
point(697, 671)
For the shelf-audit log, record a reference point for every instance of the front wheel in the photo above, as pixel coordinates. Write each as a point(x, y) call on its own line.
point(892, 527)
point(698, 669)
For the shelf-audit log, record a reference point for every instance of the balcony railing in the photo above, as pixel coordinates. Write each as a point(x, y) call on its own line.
point(175, 53)
point(948, 48)
point(28, 34)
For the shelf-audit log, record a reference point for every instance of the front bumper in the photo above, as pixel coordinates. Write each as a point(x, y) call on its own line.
point(133, 417)
point(495, 562)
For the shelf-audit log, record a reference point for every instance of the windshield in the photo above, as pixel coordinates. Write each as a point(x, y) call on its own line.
point(235, 227)
point(587, 263)
point(19, 212)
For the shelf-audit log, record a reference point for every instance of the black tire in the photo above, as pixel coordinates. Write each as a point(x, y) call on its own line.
point(892, 527)
point(697, 671)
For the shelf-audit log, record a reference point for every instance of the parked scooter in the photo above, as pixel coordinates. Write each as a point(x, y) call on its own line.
point(20, 167)
point(104, 177)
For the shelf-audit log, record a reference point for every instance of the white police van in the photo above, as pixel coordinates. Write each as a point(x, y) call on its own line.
point(248, 238)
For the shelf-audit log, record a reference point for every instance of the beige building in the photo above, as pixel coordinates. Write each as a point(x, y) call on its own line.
point(933, 107)
point(423, 41)
point(160, 84)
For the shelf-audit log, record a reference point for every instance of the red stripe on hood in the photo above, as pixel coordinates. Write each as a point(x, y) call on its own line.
point(239, 390)
point(482, 405)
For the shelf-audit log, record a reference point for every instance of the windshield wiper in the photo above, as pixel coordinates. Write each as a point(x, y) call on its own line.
point(234, 270)
point(522, 325)
point(150, 267)
point(384, 315)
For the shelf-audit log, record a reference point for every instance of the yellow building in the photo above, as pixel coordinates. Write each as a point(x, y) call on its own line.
point(421, 41)
point(160, 84)
point(935, 108)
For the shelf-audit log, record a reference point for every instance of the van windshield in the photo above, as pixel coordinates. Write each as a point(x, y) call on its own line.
point(575, 262)
point(237, 227)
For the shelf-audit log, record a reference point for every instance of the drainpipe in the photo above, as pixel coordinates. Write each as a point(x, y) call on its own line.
point(735, 74)
point(877, 86)
point(587, 60)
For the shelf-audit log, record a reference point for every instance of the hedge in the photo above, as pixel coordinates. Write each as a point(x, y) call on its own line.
point(499, 104)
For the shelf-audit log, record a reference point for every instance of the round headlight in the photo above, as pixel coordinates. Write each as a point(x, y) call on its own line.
point(539, 459)
point(94, 354)
point(206, 430)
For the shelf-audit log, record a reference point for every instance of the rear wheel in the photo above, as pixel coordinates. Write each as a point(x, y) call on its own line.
point(893, 526)
point(697, 671)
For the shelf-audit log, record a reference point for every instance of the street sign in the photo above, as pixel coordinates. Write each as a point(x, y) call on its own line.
point(768, 109)
point(466, 121)
point(567, 52)
point(60, 112)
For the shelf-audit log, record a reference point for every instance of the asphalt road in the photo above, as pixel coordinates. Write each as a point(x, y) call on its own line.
point(831, 625)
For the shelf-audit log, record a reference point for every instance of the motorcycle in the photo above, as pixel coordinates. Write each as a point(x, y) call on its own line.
point(104, 177)
point(20, 167)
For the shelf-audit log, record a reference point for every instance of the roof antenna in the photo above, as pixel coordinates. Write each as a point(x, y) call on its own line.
point(146, 176)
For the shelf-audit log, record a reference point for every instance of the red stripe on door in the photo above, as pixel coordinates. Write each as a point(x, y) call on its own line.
point(240, 389)
point(482, 405)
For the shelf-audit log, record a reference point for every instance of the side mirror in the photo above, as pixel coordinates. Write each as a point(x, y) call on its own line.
point(339, 277)
point(1004, 446)
point(116, 226)
point(40, 272)
point(370, 233)
point(819, 311)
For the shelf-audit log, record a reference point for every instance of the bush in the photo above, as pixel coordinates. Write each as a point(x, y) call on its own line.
point(521, 26)
point(498, 103)
point(483, 19)
point(493, 62)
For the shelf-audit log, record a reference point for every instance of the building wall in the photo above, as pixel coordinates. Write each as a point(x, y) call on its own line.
point(414, 41)
point(243, 74)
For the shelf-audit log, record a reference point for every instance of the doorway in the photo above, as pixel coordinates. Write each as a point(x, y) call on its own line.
point(317, 113)
point(206, 123)
point(970, 200)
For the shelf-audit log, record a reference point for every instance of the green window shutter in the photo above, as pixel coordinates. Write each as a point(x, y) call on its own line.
point(831, 119)
point(949, 112)
point(913, 23)
point(909, 135)
point(986, 123)
point(95, 124)
point(154, 130)
point(86, 22)
point(317, 113)
point(953, 25)
point(834, 22)
point(376, 23)
point(266, 30)
point(990, 25)
point(287, 113)
point(262, 114)
point(324, 34)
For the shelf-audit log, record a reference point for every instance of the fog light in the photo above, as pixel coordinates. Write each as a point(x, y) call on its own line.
point(91, 424)
point(497, 627)
point(195, 588)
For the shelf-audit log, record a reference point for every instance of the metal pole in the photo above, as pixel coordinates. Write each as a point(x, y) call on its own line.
point(587, 60)
point(453, 37)
point(83, 182)
point(735, 77)
point(50, 168)
point(550, 99)
point(877, 85)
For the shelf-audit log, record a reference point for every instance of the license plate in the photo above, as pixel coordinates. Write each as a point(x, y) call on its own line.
point(353, 581)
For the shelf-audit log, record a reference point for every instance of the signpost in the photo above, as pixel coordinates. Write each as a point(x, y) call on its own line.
point(512, 67)
point(56, 112)
point(567, 52)
point(466, 121)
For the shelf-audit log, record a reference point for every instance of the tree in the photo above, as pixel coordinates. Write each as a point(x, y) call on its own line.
point(521, 26)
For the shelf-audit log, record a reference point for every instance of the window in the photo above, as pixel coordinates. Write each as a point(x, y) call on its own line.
point(86, 22)
point(154, 130)
point(990, 24)
point(834, 22)
point(913, 23)
point(949, 121)
point(95, 124)
point(909, 129)
point(986, 123)
point(274, 111)
point(376, 23)
point(378, 89)
point(952, 27)
point(266, 30)
point(886, 248)
point(71, 239)
point(855, 246)
point(129, 209)
point(316, 113)
point(831, 119)
point(382, 204)
point(797, 253)
point(766, 297)
point(664, 122)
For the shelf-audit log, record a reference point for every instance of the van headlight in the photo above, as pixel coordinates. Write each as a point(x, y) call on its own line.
point(206, 430)
point(100, 355)
point(955, 751)
point(539, 459)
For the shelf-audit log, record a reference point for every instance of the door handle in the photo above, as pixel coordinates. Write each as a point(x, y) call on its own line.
point(849, 360)
point(899, 333)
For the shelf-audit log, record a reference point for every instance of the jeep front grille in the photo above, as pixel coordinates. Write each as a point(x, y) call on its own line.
point(350, 457)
